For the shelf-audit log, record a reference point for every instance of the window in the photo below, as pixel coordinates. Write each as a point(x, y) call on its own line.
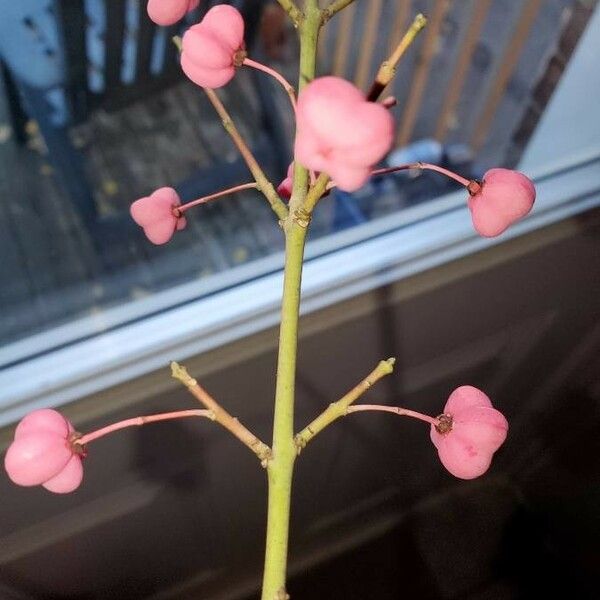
point(97, 116)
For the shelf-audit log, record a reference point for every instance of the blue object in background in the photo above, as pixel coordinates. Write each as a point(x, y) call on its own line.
point(425, 150)
point(29, 42)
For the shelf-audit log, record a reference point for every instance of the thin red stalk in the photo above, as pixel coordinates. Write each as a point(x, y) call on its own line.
point(468, 183)
point(94, 435)
point(287, 86)
point(205, 199)
point(424, 166)
point(396, 410)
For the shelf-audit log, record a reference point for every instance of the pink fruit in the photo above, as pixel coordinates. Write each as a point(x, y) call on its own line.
point(471, 430)
point(340, 133)
point(42, 453)
point(69, 479)
point(167, 12)
point(44, 419)
point(505, 196)
point(209, 48)
point(154, 214)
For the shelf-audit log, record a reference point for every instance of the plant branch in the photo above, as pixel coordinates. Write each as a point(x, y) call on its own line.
point(264, 185)
point(292, 10)
point(315, 192)
point(387, 70)
point(137, 421)
point(340, 408)
point(280, 468)
point(221, 416)
point(334, 7)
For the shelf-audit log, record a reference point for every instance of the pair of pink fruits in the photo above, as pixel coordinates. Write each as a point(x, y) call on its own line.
point(46, 451)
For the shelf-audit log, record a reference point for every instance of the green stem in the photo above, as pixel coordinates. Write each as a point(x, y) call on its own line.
point(280, 467)
point(309, 34)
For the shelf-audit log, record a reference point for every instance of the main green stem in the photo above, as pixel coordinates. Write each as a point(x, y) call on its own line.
point(280, 467)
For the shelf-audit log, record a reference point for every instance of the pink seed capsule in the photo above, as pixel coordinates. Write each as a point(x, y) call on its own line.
point(35, 457)
point(167, 12)
point(155, 215)
point(470, 431)
point(69, 479)
point(44, 419)
point(42, 453)
point(209, 49)
point(504, 196)
point(340, 133)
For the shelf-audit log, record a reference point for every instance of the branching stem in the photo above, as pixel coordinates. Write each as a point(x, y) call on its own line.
point(264, 185)
point(386, 72)
point(340, 408)
point(221, 416)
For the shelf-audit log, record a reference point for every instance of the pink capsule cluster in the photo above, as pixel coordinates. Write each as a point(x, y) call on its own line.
point(338, 131)
point(43, 453)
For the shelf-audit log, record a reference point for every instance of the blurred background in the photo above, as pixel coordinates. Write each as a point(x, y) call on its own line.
point(95, 113)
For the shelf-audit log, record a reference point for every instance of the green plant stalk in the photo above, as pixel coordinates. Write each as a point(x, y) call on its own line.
point(280, 467)
point(309, 33)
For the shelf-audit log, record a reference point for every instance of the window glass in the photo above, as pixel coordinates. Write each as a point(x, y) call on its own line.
point(95, 113)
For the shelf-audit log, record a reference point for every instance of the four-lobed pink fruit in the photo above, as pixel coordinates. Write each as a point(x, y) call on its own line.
point(155, 215)
point(209, 48)
point(168, 12)
point(42, 453)
point(473, 431)
point(504, 196)
point(340, 133)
